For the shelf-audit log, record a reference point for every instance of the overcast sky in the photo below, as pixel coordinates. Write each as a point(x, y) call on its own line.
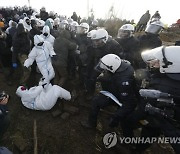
point(124, 9)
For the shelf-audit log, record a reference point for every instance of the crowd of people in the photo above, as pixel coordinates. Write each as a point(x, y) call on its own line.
point(64, 50)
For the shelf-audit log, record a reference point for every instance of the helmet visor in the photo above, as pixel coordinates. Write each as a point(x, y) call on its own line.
point(100, 67)
point(154, 29)
point(81, 30)
point(153, 63)
point(98, 43)
point(123, 33)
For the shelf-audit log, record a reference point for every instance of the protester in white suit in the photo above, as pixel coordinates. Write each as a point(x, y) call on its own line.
point(27, 23)
point(42, 97)
point(47, 36)
point(42, 53)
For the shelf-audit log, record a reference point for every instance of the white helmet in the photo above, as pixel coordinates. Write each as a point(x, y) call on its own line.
point(154, 27)
point(99, 38)
point(91, 33)
point(74, 26)
point(100, 34)
point(128, 27)
point(168, 58)
point(63, 24)
point(83, 28)
point(125, 31)
point(110, 62)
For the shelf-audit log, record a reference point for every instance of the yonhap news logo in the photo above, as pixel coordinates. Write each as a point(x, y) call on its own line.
point(111, 139)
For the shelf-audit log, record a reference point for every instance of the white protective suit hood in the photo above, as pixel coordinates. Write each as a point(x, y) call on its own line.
point(38, 39)
point(26, 26)
point(19, 91)
point(25, 95)
point(46, 29)
point(167, 56)
point(10, 23)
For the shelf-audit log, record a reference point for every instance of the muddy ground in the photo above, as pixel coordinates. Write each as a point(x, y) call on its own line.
point(57, 134)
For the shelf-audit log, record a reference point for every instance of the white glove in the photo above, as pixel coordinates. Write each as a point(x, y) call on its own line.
point(26, 63)
point(77, 52)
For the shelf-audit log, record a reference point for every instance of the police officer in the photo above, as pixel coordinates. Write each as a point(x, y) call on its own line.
point(82, 42)
point(150, 39)
point(102, 44)
point(129, 43)
point(118, 87)
point(165, 77)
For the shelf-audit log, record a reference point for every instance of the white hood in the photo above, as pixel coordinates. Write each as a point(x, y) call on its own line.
point(10, 23)
point(28, 95)
point(19, 91)
point(26, 26)
point(46, 30)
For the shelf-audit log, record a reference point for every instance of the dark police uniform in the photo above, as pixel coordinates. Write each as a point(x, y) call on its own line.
point(121, 85)
point(158, 124)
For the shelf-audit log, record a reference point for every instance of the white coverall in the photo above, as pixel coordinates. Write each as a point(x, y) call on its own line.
point(42, 55)
point(49, 38)
point(39, 98)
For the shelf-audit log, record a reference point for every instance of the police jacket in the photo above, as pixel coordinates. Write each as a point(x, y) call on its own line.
point(165, 83)
point(130, 48)
point(20, 43)
point(121, 83)
point(111, 46)
point(149, 41)
point(168, 83)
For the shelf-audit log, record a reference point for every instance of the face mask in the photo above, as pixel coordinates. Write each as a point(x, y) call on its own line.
point(40, 44)
point(28, 22)
point(45, 34)
point(56, 26)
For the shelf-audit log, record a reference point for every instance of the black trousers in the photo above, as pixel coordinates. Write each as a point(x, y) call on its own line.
point(4, 123)
point(102, 101)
